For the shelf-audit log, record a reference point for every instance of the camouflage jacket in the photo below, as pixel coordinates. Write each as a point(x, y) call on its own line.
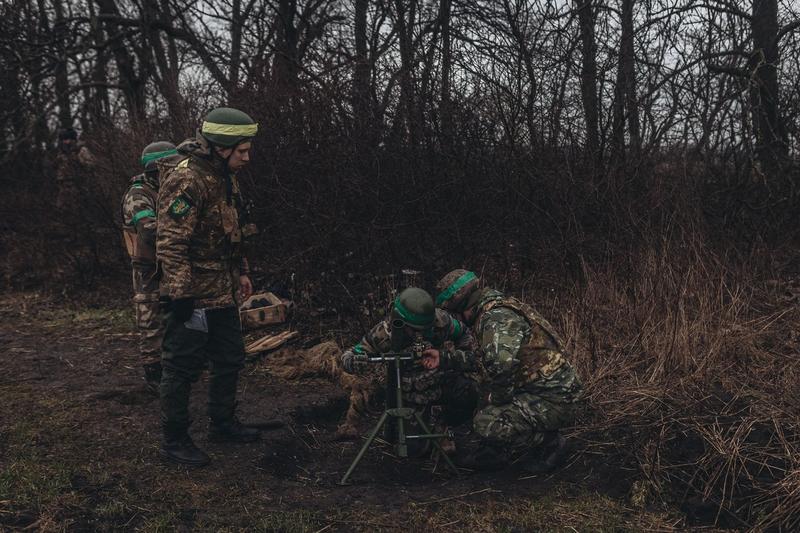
point(72, 163)
point(139, 220)
point(199, 240)
point(445, 329)
point(519, 350)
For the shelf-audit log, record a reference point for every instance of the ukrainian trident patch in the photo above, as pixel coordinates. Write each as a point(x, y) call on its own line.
point(180, 206)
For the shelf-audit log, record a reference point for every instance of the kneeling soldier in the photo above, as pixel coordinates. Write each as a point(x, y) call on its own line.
point(423, 388)
point(532, 388)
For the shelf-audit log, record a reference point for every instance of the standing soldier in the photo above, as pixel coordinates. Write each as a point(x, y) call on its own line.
point(199, 251)
point(71, 162)
point(532, 388)
point(139, 231)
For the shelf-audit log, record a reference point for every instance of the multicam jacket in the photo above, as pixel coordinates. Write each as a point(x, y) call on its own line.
point(139, 230)
point(421, 386)
point(445, 328)
point(520, 351)
point(199, 238)
point(72, 163)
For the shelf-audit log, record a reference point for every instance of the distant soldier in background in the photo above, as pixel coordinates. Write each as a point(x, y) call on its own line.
point(139, 230)
point(531, 389)
point(72, 161)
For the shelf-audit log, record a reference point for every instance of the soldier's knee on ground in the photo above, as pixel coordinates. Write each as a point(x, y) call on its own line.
point(502, 425)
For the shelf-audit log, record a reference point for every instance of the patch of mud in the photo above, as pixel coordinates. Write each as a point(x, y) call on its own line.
point(323, 410)
point(286, 457)
point(125, 397)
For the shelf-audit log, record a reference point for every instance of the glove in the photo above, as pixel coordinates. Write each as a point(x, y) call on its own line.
point(349, 362)
point(181, 308)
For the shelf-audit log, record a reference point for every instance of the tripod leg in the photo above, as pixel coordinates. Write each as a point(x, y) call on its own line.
point(366, 445)
point(435, 443)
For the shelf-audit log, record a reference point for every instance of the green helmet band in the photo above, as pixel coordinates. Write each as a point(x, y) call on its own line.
point(155, 156)
point(456, 286)
point(411, 318)
point(232, 130)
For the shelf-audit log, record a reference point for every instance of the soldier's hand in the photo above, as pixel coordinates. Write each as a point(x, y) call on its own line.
point(182, 308)
point(430, 358)
point(245, 288)
point(349, 362)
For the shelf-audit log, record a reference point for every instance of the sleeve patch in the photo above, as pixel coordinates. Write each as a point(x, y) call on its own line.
point(180, 206)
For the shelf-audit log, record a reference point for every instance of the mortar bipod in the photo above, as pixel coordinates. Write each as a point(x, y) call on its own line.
point(398, 412)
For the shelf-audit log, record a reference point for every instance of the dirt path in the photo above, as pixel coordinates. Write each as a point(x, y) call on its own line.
point(79, 439)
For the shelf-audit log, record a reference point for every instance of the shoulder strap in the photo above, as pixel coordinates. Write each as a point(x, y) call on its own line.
point(531, 315)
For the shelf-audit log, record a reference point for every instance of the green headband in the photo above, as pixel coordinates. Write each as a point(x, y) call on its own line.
point(234, 130)
point(155, 156)
point(456, 286)
point(411, 318)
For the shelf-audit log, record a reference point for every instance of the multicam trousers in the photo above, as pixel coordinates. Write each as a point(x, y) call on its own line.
point(150, 321)
point(523, 422)
point(456, 393)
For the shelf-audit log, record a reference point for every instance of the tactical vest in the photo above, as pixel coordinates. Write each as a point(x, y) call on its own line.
point(543, 355)
point(134, 248)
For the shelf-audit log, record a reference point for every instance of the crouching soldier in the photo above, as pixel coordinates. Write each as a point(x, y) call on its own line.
point(423, 388)
point(531, 389)
point(139, 232)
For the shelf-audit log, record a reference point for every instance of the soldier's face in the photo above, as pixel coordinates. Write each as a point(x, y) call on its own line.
point(238, 156)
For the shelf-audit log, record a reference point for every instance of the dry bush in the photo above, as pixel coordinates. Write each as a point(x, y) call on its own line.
point(689, 361)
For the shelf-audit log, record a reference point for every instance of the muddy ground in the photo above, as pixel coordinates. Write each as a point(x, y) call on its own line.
point(79, 442)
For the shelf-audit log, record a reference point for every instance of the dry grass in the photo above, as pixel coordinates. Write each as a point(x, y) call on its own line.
point(690, 364)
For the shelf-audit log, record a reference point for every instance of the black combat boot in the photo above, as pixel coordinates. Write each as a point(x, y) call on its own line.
point(554, 451)
point(232, 430)
point(178, 447)
point(477, 454)
point(152, 376)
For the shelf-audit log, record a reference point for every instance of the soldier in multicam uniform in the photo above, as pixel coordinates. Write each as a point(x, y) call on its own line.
point(199, 248)
point(72, 161)
point(532, 388)
point(139, 232)
point(443, 334)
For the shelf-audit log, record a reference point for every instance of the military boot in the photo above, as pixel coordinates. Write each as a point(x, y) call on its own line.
point(554, 451)
point(232, 430)
point(178, 447)
point(152, 376)
point(477, 454)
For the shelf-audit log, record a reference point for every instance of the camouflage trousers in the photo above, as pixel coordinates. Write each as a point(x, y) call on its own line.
point(150, 322)
point(523, 422)
point(456, 393)
point(214, 335)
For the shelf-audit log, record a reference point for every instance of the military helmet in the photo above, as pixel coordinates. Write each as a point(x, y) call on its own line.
point(155, 151)
point(67, 133)
point(455, 288)
point(414, 307)
point(225, 126)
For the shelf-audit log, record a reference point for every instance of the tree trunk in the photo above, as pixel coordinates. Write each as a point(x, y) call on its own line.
point(626, 107)
point(61, 66)
point(770, 149)
point(586, 18)
point(361, 101)
point(446, 110)
point(407, 97)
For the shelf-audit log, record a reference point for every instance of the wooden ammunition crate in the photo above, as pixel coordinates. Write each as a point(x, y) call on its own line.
point(261, 315)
